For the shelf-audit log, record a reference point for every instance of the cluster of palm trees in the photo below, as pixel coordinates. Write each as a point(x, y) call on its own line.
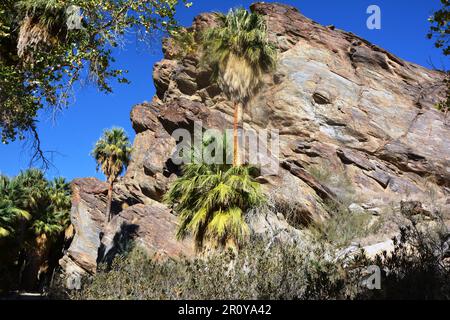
point(34, 213)
point(35, 216)
point(212, 199)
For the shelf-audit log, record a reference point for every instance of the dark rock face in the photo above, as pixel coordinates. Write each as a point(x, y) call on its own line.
point(338, 101)
point(153, 225)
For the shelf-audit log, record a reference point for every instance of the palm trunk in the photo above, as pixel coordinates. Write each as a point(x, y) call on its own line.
point(236, 122)
point(35, 264)
point(109, 201)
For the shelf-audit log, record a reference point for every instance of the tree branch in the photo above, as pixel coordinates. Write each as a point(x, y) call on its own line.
point(38, 154)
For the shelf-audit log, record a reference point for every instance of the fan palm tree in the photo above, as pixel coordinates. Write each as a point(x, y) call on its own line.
point(33, 186)
point(55, 217)
point(49, 206)
point(240, 54)
point(36, 212)
point(211, 201)
point(46, 228)
point(112, 154)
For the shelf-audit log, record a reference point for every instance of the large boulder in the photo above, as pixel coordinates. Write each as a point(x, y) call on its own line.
point(153, 227)
point(339, 103)
point(88, 220)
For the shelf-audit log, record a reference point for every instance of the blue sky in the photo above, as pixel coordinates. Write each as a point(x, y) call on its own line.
point(404, 26)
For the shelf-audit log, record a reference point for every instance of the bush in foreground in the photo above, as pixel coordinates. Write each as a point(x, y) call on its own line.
point(255, 272)
point(418, 268)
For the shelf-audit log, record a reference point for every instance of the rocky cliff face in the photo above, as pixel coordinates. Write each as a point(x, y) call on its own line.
point(354, 120)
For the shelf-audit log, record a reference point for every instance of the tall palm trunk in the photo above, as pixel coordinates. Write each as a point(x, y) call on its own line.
point(109, 199)
point(237, 120)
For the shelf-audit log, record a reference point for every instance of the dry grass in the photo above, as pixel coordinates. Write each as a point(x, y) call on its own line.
point(345, 227)
point(338, 182)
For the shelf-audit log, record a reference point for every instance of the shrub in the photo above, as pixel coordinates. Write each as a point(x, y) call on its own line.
point(338, 182)
point(419, 266)
point(343, 226)
point(255, 272)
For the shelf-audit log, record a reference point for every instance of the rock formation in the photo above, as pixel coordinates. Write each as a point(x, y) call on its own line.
point(343, 107)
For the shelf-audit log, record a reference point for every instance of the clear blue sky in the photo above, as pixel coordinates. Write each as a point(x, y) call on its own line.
point(404, 26)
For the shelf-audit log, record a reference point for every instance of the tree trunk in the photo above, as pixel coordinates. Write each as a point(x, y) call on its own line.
point(35, 264)
point(109, 201)
point(236, 123)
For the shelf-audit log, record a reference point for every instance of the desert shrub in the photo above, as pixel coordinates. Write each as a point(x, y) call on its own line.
point(338, 182)
point(419, 266)
point(280, 201)
point(343, 226)
point(281, 271)
point(255, 272)
point(183, 42)
point(292, 210)
point(134, 276)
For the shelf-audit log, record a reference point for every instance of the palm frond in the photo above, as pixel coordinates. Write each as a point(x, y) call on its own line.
point(43, 25)
point(112, 152)
point(43, 206)
point(211, 201)
point(239, 52)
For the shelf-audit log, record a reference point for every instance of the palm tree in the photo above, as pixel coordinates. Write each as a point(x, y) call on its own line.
point(34, 212)
point(33, 186)
point(211, 201)
point(49, 205)
point(55, 218)
point(239, 53)
point(112, 154)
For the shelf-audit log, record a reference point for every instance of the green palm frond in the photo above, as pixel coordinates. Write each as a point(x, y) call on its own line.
point(10, 216)
point(211, 201)
point(4, 232)
point(33, 188)
point(112, 152)
point(44, 205)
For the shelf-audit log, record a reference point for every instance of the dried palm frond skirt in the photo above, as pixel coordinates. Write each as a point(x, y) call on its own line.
point(33, 35)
